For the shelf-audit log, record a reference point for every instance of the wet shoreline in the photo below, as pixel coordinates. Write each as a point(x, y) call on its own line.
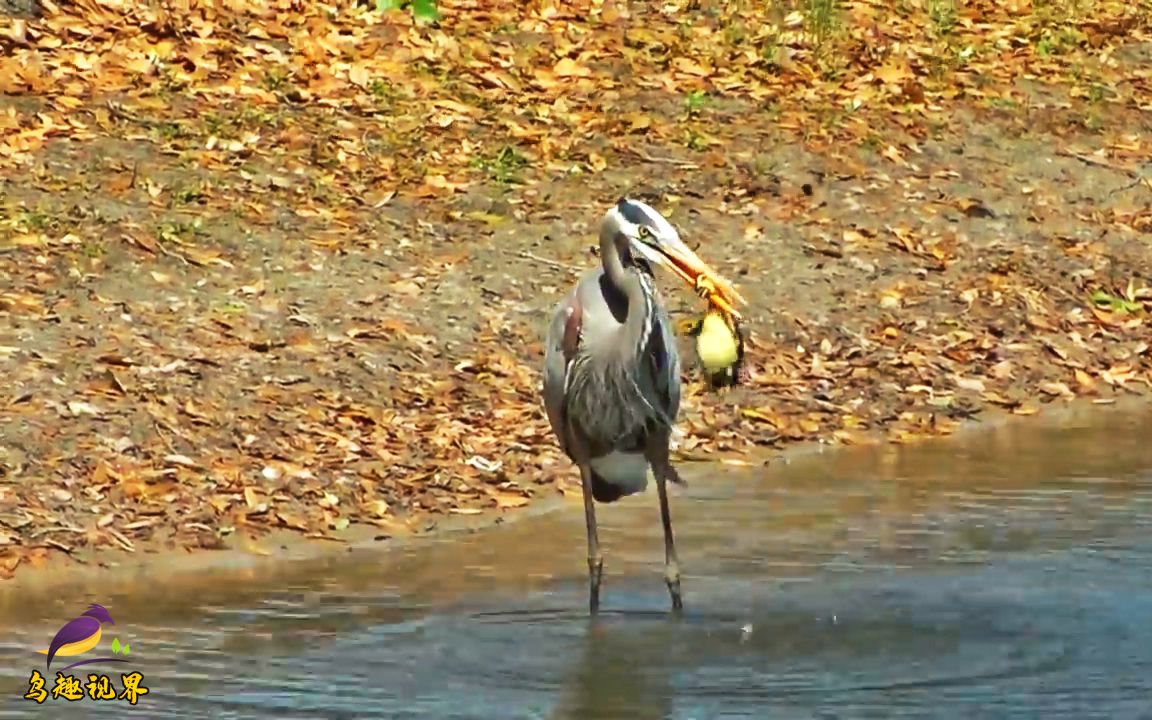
point(1001, 572)
point(158, 573)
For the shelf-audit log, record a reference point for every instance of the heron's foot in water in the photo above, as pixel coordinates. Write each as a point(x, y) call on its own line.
point(595, 576)
point(672, 580)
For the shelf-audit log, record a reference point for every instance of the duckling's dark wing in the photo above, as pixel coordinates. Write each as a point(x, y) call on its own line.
point(740, 338)
point(739, 371)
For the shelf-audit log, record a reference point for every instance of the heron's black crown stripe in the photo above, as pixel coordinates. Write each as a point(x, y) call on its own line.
point(633, 213)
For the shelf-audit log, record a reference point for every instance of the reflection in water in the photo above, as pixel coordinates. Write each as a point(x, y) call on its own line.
point(1005, 573)
point(621, 672)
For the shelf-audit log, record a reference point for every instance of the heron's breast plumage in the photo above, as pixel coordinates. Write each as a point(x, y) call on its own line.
point(619, 403)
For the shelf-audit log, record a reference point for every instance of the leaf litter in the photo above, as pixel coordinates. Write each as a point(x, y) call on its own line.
point(287, 265)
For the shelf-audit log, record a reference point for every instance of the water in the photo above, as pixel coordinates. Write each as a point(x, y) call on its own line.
point(1003, 575)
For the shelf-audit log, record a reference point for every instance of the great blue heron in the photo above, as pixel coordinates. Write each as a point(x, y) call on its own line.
point(612, 372)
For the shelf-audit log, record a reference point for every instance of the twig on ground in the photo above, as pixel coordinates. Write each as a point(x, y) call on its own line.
point(59, 546)
point(171, 254)
point(1140, 180)
point(1092, 160)
point(679, 164)
point(550, 263)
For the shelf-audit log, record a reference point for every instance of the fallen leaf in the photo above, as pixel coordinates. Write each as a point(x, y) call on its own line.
point(567, 67)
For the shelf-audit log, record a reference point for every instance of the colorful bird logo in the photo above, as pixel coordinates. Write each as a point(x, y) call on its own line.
point(81, 635)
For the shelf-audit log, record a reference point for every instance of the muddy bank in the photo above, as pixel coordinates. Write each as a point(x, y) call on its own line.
point(150, 581)
point(227, 318)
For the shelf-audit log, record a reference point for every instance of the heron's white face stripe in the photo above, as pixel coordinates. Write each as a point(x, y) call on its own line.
point(637, 213)
point(648, 252)
point(630, 215)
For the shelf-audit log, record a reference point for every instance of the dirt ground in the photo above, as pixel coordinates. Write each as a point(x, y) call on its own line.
point(217, 320)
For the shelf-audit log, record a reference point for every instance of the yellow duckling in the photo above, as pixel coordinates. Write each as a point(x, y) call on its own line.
point(719, 348)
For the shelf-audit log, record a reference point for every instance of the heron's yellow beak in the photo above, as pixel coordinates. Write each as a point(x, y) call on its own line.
point(705, 281)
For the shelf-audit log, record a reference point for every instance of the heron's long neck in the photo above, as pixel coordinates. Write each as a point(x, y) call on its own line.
point(634, 332)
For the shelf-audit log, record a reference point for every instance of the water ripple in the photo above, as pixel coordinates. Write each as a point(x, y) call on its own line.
point(931, 585)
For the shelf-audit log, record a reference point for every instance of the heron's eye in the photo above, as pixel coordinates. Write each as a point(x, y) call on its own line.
point(645, 233)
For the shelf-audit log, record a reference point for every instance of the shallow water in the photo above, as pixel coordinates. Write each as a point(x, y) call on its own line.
point(1003, 574)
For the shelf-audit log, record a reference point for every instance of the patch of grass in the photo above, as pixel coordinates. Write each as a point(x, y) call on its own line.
point(1125, 301)
point(942, 13)
point(872, 142)
point(320, 190)
point(169, 82)
point(382, 91)
point(35, 220)
point(770, 46)
point(227, 125)
point(190, 194)
point(427, 68)
point(695, 102)
point(503, 165)
point(229, 307)
point(770, 111)
point(260, 119)
point(1002, 103)
point(821, 20)
point(168, 131)
point(685, 30)
point(274, 80)
point(735, 33)
point(694, 140)
point(421, 9)
point(832, 119)
point(1091, 119)
point(764, 166)
point(1057, 9)
point(938, 129)
point(216, 124)
point(1059, 40)
point(180, 231)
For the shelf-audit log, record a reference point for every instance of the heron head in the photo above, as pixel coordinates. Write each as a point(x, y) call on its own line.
point(642, 232)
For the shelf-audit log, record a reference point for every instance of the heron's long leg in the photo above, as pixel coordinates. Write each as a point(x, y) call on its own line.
point(595, 559)
point(671, 562)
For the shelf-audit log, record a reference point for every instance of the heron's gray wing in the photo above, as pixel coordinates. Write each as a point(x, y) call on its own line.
point(559, 349)
point(665, 363)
